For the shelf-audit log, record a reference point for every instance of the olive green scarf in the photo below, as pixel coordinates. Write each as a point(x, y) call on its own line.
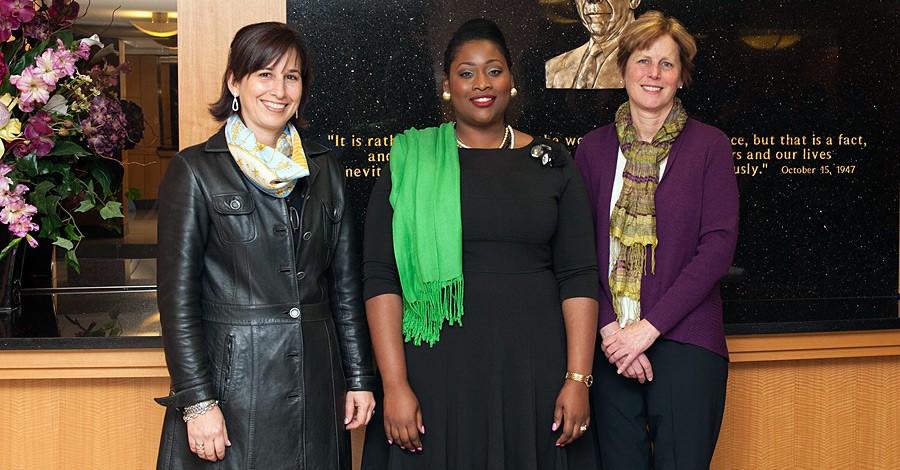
point(427, 230)
point(632, 225)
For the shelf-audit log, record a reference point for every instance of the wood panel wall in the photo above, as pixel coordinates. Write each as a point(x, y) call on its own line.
point(92, 409)
point(812, 414)
point(205, 30)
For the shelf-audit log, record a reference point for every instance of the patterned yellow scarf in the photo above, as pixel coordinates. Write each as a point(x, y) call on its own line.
point(632, 224)
point(269, 169)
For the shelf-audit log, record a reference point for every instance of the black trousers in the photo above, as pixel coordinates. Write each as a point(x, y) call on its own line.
point(670, 423)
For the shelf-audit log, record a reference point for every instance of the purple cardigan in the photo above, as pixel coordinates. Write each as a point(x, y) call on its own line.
point(696, 224)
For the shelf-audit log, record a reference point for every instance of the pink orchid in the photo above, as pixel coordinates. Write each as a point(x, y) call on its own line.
point(21, 226)
point(84, 49)
point(47, 66)
point(15, 210)
point(8, 197)
point(66, 58)
point(33, 89)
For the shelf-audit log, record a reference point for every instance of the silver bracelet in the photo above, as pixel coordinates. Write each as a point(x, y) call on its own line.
point(197, 409)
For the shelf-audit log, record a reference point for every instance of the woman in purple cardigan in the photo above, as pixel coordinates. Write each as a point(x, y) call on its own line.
point(665, 208)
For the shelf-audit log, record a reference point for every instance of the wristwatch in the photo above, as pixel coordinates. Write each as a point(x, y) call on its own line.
point(587, 380)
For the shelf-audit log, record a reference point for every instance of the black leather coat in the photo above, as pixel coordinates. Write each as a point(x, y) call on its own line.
point(275, 332)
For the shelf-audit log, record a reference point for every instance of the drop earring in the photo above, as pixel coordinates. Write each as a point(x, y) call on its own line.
point(235, 106)
point(513, 92)
point(446, 96)
point(297, 113)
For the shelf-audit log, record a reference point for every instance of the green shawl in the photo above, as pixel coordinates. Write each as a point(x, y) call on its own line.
point(427, 230)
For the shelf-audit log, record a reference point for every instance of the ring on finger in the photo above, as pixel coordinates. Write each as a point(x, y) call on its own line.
point(583, 428)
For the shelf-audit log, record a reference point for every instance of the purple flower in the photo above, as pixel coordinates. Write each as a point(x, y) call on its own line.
point(38, 29)
point(4, 67)
point(63, 12)
point(104, 128)
point(22, 10)
point(8, 24)
point(39, 136)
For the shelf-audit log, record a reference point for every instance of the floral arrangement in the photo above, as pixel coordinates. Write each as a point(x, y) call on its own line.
point(61, 125)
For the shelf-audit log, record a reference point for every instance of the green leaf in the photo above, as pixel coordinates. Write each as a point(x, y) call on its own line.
point(86, 205)
point(66, 36)
point(72, 261)
point(133, 194)
point(27, 165)
point(47, 205)
point(50, 223)
point(102, 175)
point(111, 209)
point(12, 244)
point(65, 147)
point(72, 233)
point(63, 243)
point(42, 188)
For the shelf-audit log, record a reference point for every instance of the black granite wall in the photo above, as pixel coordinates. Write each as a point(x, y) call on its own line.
point(812, 123)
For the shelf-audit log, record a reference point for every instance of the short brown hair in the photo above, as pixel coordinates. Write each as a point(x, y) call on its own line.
point(642, 32)
point(257, 46)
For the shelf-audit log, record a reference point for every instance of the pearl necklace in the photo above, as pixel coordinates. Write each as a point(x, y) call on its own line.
point(508, 135)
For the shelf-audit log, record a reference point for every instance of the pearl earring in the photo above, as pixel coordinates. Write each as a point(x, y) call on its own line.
point(513, 92)
point(446, 96)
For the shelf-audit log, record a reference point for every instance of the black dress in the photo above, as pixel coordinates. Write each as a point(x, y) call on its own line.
point(487, 389)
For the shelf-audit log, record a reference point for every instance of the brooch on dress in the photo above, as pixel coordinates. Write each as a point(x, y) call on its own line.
point(546, 155)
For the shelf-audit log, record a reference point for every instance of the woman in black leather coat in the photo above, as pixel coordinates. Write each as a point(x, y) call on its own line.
point(259, 284)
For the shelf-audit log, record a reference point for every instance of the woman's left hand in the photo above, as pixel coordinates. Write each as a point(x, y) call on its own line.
point(629, 343)
point(358, 408)
point(573, 412)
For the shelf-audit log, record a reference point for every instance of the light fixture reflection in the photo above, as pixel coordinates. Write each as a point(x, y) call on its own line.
point(770, 40)
point(158, 26)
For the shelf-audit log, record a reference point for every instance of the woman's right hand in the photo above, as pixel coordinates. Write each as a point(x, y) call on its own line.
point(403, 418)
point(207, 435)
point(640, 369)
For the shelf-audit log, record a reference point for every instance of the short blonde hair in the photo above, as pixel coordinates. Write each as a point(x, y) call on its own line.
point(642, 32)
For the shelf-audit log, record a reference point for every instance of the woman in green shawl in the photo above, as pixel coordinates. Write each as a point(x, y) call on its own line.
point(481, 285)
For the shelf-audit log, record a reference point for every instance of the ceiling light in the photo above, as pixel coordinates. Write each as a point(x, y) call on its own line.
point(158, 26)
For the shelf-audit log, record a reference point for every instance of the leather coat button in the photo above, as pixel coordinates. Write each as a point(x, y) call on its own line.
point(301, 275)
point(235, 204)
point(294, 313)
point(307, 236)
